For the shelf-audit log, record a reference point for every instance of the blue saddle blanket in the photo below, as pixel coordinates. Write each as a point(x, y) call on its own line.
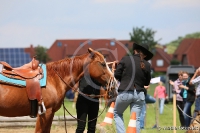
point(23, 82)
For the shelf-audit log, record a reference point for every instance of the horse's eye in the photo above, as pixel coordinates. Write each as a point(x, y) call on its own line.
point(103, 64)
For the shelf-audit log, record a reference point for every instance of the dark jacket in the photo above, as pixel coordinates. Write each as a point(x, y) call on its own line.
point(190, 92)
point(125, 74)
point(89, 86)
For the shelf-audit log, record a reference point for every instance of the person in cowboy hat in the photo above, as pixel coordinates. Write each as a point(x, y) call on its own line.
point(133, 72)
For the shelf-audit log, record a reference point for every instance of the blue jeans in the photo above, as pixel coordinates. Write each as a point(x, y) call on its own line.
point(187, 110)
point(197, 106)
point(162, 103)
point(124, 99)
point(148, 99)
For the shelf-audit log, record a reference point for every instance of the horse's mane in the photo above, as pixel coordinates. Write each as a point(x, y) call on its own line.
point(63, 67)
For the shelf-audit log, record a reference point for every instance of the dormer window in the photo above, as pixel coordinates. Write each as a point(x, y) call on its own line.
point(89, 42)
point(59, 44)
point(112, 43)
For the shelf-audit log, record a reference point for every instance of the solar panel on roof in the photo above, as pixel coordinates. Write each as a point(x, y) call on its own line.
point(14, 56)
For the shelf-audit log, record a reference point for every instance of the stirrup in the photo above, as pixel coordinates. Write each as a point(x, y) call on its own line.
point(41, 107)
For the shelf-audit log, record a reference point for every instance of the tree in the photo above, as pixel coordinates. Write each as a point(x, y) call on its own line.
point(172, 46)
point(144, 36)
point(41, 53)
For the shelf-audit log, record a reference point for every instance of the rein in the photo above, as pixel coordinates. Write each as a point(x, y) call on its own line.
point(65, 109)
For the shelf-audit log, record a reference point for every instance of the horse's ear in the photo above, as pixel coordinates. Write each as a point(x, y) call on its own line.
point(92, 52)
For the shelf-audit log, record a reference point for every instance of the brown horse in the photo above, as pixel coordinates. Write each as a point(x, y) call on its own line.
point(195, 124)
point(14, 101)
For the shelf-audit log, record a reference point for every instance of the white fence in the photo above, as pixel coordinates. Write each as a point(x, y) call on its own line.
point(26, 121)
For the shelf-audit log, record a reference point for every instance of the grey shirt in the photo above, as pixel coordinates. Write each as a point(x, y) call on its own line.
point(196, 81)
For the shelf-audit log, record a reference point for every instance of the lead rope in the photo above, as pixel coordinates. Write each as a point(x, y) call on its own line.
point(187, 114)
point(65, 109)
point(64, 117)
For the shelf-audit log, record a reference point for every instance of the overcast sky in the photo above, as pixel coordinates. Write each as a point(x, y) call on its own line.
point(25, 22)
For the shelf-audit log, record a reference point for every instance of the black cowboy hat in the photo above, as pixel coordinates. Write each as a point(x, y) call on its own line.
point(145, 49)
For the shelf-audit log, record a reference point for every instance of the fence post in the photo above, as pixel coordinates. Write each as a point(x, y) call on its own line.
point(157, 110)
point(174, 111)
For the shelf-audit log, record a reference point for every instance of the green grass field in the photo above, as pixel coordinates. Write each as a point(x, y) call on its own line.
point(164, 120)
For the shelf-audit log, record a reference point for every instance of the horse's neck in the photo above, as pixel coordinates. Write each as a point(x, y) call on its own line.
point(78, 65)
point(69, 69)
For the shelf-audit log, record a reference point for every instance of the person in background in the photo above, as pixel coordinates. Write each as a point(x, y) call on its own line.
point(190, 97)
point(196, 80)
point(148, 99)
point(131, 89)
point(179, 99)
point(87, 106)
point(160, 92)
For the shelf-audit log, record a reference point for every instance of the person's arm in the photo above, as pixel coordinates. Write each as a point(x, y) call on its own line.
point(120, 69)
point(183, 87)
point(146, 87)
point(195, 79)
point(171, 82)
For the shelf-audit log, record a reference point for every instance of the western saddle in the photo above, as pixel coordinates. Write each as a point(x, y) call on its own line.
point(31, 73)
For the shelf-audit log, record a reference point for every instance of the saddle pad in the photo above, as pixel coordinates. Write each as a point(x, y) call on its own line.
point(43, 81)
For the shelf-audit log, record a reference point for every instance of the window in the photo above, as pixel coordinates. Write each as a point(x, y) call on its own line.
point(126, 45)
point(159, 62)
point(184, 59)
point(89, 42)
point(59, 44)
point(149, 61)
point(112, 43)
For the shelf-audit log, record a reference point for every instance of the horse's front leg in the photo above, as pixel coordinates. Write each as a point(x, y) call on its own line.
point(44, 121)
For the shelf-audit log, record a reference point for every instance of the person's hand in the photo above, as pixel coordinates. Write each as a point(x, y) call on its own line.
point(171, 82)
point(114, 65)
point(183, 87)
point(146, 87)
point(198, 72)
point(116, 62)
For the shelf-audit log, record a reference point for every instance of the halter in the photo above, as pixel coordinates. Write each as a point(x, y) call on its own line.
point(112, 83)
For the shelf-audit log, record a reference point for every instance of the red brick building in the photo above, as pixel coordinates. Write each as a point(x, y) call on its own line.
point(188, 52)
point(111, 49)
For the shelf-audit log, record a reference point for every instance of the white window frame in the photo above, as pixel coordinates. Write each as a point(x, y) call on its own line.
point(159, 62)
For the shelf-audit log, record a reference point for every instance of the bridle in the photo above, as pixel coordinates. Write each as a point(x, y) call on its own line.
point(110, 94)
